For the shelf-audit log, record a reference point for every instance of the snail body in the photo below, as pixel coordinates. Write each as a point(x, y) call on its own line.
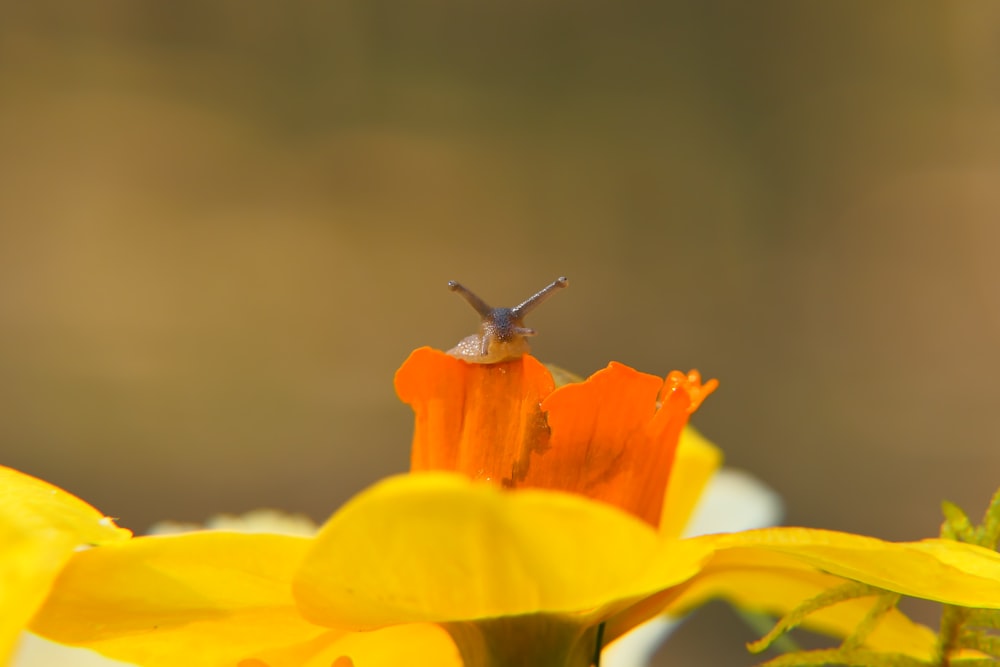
point(502, 334)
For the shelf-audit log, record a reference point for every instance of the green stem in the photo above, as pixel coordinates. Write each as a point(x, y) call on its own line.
point(598, 646)
point(525, 641)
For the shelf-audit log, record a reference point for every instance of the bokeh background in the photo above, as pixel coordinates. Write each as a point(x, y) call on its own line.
point(224, 224)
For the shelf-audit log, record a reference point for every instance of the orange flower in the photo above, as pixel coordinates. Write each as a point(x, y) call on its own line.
point(611, 438)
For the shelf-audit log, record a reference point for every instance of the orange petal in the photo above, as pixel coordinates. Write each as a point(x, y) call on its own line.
point(482, 420)
point(613, 436)
point(611, 442)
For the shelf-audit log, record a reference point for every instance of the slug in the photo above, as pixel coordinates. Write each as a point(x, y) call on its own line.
point(502, 335)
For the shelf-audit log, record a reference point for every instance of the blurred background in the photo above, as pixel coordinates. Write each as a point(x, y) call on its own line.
point(223, 226)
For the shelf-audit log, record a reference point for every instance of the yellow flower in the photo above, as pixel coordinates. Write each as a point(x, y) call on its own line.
point(528, 576)
point(557, 564)
point(537, 526)
point(967, 635)
point(40, 527)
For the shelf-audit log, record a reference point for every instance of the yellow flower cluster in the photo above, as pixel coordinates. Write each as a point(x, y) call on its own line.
point(538, 524)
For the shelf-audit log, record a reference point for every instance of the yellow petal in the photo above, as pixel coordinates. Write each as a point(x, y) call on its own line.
point(208, 599)
point(437, 547)
point(35, 651)
point(696, 461)
point(778, 590)
point(941, 570)
point(31, 503)
point(417, 643)
point(398, 646)
point(40, 526)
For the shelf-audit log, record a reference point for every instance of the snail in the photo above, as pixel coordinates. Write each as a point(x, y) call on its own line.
point(502, 335)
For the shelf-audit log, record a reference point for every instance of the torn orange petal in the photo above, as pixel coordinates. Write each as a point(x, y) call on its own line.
point(482, 420)
point(691, 385)
point(611, 437)
point(604, 443)
point(614, 437)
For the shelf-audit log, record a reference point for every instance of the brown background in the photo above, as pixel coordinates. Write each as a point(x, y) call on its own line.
point(223, 226)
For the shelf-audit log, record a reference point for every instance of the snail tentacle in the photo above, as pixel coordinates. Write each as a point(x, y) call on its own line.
point(484, 309)
point(502, 334)
point(541, 295)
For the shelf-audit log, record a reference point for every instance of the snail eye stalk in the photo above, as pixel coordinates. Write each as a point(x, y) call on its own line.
point(502, 332)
